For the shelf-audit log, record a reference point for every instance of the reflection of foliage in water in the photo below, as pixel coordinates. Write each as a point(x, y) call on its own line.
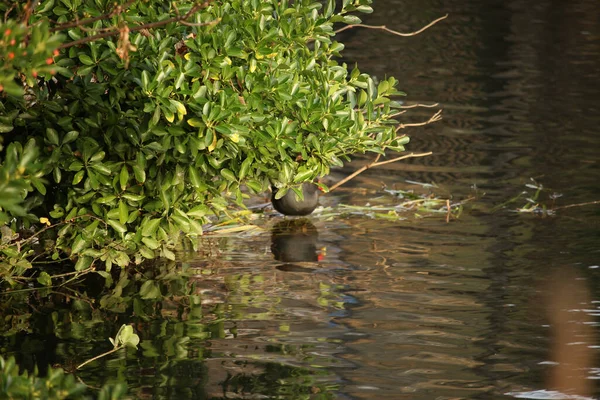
point(178, 329)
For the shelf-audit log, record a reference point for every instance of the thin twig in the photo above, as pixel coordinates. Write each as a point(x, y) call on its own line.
point(434, 118)
point(385, 28)
point(82, 272)
point(411, 155)
point(375, 163)
point(577, 205)
point(398, 113)
point(8, 11)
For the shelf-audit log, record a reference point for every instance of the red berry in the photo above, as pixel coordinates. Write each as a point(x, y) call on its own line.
point(56, 52)
point(11, 55)
point(13, 42)
point(7, 32)
point(34, 73)
point(49, 60)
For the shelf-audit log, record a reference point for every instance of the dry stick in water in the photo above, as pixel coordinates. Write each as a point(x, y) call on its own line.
point(577, 205)
point(385, 28)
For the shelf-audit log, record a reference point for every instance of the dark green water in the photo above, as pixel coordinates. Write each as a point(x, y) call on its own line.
point(490, 305)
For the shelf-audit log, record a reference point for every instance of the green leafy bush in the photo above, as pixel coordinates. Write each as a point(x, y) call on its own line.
point(127, 123)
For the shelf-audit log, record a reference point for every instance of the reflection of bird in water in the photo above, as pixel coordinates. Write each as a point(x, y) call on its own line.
point(294, 242)
point(291, 204)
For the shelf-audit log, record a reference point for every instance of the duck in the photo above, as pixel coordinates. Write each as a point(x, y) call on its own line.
point(291, 204)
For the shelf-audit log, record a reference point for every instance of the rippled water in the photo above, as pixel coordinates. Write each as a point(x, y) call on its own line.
point(494, 304)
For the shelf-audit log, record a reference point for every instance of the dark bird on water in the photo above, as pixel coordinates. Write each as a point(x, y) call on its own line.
point(291, 204)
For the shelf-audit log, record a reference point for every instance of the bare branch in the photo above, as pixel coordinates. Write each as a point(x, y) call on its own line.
point(385, 28)
point(434, 118)
point(376, 163)
point(420, 105)
point(411, 155)
point(398, 113)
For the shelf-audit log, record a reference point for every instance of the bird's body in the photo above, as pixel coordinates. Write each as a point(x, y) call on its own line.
point(291, 204)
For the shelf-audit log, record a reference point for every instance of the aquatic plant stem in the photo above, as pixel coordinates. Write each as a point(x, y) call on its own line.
point(385, 28)
point(375, 163)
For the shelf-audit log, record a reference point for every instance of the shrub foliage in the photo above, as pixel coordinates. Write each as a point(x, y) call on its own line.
point(128, 123)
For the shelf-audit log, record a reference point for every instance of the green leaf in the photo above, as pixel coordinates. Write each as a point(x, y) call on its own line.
point(150, 226)
point(151, 243)
point(255, 186)
point(126, 336)
point(117, 226)
point(303, 174)
point(70, 137)
point(139, 173)
point(123, 212)
point(195, 122)
point(227, 174)
point(45, 279)
point(52, 136)
point(85, 59)
point(245, 167)
point(78, 244)
point(181, 110)
point(145, 80)
point(99, 156)
point(124, 177)
point(351, 19)
point(83, 263)
point(5, 128)
point(150, 290)
point(198, 211)
point(280, 193)
point(195, 177)
point(78, 177)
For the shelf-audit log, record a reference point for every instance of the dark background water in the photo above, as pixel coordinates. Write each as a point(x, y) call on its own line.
point(495, 302)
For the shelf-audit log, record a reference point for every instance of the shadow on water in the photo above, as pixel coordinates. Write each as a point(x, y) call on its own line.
point(494, 303)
